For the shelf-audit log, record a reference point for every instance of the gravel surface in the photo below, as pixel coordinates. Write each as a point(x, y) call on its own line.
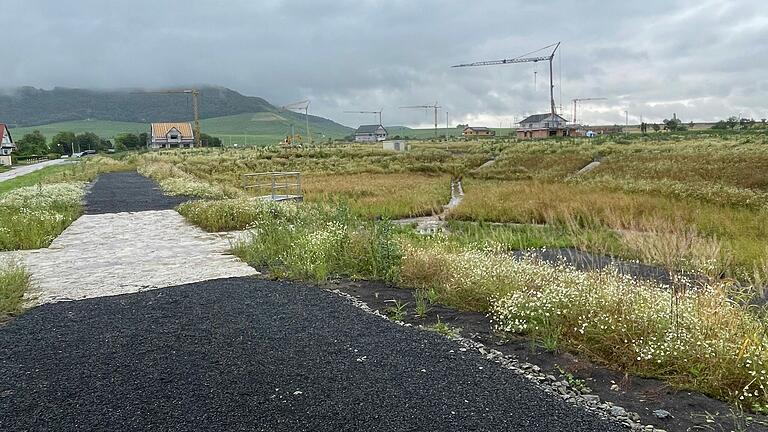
point(587, 261)
point(245, 354)
point(127, 192)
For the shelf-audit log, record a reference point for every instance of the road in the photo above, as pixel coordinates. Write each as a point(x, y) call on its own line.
point(21, 170)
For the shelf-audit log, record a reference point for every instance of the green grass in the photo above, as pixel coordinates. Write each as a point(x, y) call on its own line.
point(103, 128)
point(14, 282)
point(264, 128)
point(34, 177)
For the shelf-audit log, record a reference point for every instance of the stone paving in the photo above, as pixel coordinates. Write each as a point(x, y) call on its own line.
point(119, 253)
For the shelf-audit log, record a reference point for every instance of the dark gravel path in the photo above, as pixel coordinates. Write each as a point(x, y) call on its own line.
point(246, 354)
point(587, 261)
point(127, 192)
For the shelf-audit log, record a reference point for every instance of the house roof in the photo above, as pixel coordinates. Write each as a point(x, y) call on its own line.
point(539, 117)
point(477, 128)
point(369, 129)
point(162, 129)
point(3, 127)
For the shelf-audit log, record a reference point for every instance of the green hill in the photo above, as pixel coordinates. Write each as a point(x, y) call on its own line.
point(224, 113)
point(248, 128)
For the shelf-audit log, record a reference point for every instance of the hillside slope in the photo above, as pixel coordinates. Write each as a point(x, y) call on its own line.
point(28, 106)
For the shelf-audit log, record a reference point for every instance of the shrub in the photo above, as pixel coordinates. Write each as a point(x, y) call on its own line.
point(317, 243)
point(14, 281)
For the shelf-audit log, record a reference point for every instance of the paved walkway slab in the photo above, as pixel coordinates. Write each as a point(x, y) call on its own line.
point(119, 253)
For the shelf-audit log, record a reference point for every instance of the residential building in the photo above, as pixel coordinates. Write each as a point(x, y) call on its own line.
point(171, 135)
point(543, 126)
point(475, 131)
point(370, 133)
point(6, 145)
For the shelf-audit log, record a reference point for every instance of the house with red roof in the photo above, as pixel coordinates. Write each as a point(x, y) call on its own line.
point(6, 145)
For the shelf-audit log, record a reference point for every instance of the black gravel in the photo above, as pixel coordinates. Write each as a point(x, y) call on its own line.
point(246, 354)
point(588, 261)
point(127, 192)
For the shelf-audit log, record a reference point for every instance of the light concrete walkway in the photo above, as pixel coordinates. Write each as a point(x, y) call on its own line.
point(119, 253)
point(21, 170)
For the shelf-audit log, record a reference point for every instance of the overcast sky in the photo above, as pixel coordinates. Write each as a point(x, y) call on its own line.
point(703, 60)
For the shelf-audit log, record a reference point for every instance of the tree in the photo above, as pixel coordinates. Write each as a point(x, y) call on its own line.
point(62, 142)
point(656, 127)
point(128, 141)
point(32, 144)
point(143, 140)
point(674, 125)
point(87, 141)
point(210, 141)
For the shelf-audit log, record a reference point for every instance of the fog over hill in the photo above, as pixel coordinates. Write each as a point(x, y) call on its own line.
point(29, 106)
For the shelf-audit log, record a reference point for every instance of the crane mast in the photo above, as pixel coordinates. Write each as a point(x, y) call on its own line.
point(301, 105)
point(523, 59)
point(368, 112)
point(577, 100)
point(195, 107)
point(435, 107)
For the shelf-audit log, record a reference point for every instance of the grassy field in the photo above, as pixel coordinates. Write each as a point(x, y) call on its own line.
point(690, 202)
point(243, 129)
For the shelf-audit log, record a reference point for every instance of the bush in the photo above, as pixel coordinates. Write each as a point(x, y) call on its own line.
point(693, 335)
point(32, 217)
point(14, 281)
point(317, 243)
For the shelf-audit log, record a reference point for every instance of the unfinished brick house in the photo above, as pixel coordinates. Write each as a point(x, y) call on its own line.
point(474, 131)
point(543, 126)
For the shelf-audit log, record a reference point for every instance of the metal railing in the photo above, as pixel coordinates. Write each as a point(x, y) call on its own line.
point(280, 185)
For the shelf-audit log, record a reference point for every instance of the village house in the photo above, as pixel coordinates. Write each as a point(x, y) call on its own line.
point(370, 133)
point(473, 132)
point(171, 135)
point(6, 145)
point(543, 126)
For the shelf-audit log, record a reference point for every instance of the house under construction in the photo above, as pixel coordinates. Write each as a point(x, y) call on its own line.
point(543, 126)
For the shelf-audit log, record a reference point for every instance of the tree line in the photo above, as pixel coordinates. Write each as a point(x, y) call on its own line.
point(35, 143)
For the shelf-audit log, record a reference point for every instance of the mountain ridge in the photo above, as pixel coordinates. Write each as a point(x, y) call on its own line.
point(29, 106)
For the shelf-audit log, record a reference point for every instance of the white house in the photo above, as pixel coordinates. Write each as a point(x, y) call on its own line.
point(170, 135)
point(370, 133)
point(6, 145)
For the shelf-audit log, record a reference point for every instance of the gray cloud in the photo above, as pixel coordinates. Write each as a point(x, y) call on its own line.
point(703, 60)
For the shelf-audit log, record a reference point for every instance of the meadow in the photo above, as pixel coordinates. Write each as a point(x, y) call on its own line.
point(692, 203)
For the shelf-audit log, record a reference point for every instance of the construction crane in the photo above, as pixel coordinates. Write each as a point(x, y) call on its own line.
point(368, 112)
point(195, 107)
point(435, 107)
point(524, 59)
point(301, 105)
point(577, 100)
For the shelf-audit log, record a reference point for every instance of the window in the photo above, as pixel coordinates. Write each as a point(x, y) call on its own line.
point(174, 136)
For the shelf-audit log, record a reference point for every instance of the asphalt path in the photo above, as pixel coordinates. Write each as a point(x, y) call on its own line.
point(127, 192)
point(251, 355)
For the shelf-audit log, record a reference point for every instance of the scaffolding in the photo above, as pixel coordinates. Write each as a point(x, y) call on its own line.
point(278, 185)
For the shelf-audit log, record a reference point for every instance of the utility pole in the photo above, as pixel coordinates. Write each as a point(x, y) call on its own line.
point(626, 115)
